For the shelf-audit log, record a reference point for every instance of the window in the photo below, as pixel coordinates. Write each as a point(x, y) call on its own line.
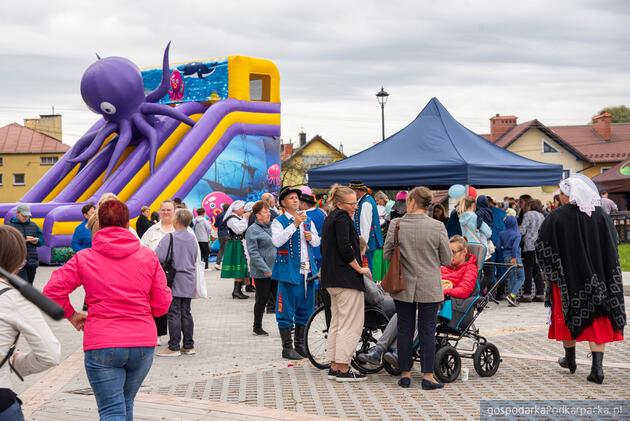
point(604, 169)
point(1, 183)
point(18, 179)
point(1, 161)
point(566, 173)
point(48, 160)
point(547, 148)
point(259, 87)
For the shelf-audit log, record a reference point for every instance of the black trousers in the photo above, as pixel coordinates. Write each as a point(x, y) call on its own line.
point(533, 275)
point(264, 288)
point(161, 324)
point(180, 321)
point(28, 273)
point(427, 320)
point(204, 246)
point(223, 239)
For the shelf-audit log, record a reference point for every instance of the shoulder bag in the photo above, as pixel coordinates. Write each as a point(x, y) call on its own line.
point(394, 279)
point(490, 248)
point(167, 266)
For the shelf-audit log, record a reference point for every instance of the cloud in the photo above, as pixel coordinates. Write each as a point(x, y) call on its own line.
point(559, 61)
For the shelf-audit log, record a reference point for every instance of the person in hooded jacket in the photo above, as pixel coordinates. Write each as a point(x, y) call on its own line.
point(34, 238)
point(509, 244)
point(534, 287)
point(119, 332)
point(468, 220)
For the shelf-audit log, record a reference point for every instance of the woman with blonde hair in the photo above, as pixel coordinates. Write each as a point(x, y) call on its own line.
point(342, 277)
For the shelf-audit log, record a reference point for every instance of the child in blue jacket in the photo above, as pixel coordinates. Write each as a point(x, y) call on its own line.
point(509, 244)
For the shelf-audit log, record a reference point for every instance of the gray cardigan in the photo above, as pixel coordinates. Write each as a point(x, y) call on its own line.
point(261, 250)
point(423, 248)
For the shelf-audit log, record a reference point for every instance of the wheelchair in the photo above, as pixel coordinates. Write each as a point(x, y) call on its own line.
point(449, 333)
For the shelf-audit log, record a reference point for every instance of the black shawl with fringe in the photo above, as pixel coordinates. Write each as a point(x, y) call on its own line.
point(579, 254)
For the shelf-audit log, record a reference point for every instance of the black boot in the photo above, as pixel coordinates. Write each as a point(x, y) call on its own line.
point(597, 369)
point(300, 337)
point(250, 288)
point(237, 293)
point(568, 361)
point(287, 344)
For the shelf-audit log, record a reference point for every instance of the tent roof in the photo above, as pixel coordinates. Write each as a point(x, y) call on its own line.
point(616, 179)
point(436, 151)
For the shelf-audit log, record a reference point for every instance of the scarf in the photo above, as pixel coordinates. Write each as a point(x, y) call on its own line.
point(578, 253)
point(580, 194)
point(234, 206)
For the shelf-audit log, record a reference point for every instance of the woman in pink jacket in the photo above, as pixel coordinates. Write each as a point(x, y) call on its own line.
point(125, 287)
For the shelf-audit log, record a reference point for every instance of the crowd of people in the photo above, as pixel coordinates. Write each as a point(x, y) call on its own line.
point(568, 252)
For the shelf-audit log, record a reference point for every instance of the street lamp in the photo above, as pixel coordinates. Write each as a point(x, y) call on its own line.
point(381, 96)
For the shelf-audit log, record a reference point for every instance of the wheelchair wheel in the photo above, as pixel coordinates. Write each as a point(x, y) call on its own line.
point(391, 370)
point(486, 359)
point(447, 364)
point(375, 322)
point(316, 338)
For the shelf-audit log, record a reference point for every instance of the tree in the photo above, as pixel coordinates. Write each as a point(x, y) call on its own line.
point(620, 114)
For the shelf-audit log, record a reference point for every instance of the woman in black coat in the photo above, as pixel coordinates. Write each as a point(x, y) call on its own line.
point(342, 277)
point(143, 223)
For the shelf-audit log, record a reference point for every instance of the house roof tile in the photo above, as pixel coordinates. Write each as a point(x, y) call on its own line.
point(15, 138)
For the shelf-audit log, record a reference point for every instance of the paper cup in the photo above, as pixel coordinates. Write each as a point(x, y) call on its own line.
point(464, 374)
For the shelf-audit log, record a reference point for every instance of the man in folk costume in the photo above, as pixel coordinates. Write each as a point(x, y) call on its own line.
point(366, 220)
point(234, 260)
point(295, 236)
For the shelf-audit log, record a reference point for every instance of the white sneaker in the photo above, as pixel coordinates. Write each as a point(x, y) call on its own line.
point(168, 353)
point(217, 267)
point(207, 270)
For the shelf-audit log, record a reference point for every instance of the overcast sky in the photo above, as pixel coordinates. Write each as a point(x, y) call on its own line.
point(558, 61)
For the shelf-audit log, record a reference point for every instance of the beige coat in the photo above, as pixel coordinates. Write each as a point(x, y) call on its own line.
point(423, 248)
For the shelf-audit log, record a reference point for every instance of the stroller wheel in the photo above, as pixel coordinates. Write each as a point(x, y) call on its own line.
point(486, 360)
point(447, 364)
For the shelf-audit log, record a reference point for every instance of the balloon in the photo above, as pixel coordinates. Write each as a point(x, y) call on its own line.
point(456, 191)
point(472, 191)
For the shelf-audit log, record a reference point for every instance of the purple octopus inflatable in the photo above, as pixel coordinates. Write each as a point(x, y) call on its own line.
point(113, 88)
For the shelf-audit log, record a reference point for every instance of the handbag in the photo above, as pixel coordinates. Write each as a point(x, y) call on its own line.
point(394, 279)
point(201, 291)
point(167, 266)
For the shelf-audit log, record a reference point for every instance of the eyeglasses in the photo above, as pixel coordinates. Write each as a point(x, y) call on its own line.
point(353, 204)
point(457, 251)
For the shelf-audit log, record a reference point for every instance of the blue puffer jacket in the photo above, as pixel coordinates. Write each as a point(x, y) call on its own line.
point(29, 228)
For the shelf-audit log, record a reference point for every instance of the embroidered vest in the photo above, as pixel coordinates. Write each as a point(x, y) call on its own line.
point(376, 235)
point(286, 268)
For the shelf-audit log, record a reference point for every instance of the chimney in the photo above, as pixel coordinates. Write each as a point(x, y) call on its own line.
point(287, 150)
point(499, 125)
point(302, 138)
point(48, 124)
point(601, 124)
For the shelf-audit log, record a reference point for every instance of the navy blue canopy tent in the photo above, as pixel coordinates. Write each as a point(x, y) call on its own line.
point(436, 151)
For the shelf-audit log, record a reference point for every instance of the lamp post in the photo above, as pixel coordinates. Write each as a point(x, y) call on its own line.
point(381, 96)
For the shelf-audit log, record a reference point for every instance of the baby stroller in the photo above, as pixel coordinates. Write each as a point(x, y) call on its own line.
point(459, 325)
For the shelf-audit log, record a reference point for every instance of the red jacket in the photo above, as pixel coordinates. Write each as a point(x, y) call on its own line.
point(125, 287)
point(463, 277)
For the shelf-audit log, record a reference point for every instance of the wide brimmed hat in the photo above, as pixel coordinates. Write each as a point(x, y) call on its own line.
point(358, 185)
point(286, 191)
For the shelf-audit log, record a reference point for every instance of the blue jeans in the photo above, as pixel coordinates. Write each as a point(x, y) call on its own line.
point(516, 276)
point(12, 413)
point(115, 375)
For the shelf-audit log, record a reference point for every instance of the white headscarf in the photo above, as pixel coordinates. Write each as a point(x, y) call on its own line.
point(580, 194)
point(234, 206)
point(249, 206)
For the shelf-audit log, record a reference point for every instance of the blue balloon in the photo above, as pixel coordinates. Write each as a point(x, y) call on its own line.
point(456, 191)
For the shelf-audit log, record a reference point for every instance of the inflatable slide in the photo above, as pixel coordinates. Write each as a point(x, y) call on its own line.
point(204, 131)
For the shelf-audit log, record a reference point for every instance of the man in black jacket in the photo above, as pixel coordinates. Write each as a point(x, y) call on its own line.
point(223, 234)
point(34, 238)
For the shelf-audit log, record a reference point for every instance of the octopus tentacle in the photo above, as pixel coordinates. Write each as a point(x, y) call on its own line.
point(162, 89)
point(91, 150)
point(161, 109)
point(124, 137)
point(151, 135)
point(82, 143)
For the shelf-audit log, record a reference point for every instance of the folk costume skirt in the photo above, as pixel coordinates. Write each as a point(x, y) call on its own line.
point(379, 266)
point(234, 264)
point(600, 331)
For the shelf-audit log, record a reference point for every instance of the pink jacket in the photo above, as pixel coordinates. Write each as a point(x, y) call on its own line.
point(125, 287)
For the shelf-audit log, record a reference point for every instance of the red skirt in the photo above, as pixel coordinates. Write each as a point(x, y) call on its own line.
point(600, 331)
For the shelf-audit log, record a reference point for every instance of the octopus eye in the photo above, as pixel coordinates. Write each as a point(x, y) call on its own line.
point(108, 108)
point(213, 205)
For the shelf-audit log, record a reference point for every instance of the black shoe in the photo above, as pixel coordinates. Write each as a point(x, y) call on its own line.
point(350, 376)
point(372, 356)
point(404, 382)
point(392, 359)
point(259, 331)
point(250, 288)
point(597, 369)
point(568, 361)
point(271, 310)
point(429, 385)
point(287, 344)
point(237, 293)
point(299, 338)
point(524, 299)
point(332, 374)
point(539, 299)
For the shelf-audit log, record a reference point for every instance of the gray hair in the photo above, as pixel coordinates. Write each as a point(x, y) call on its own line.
point(183, 217)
